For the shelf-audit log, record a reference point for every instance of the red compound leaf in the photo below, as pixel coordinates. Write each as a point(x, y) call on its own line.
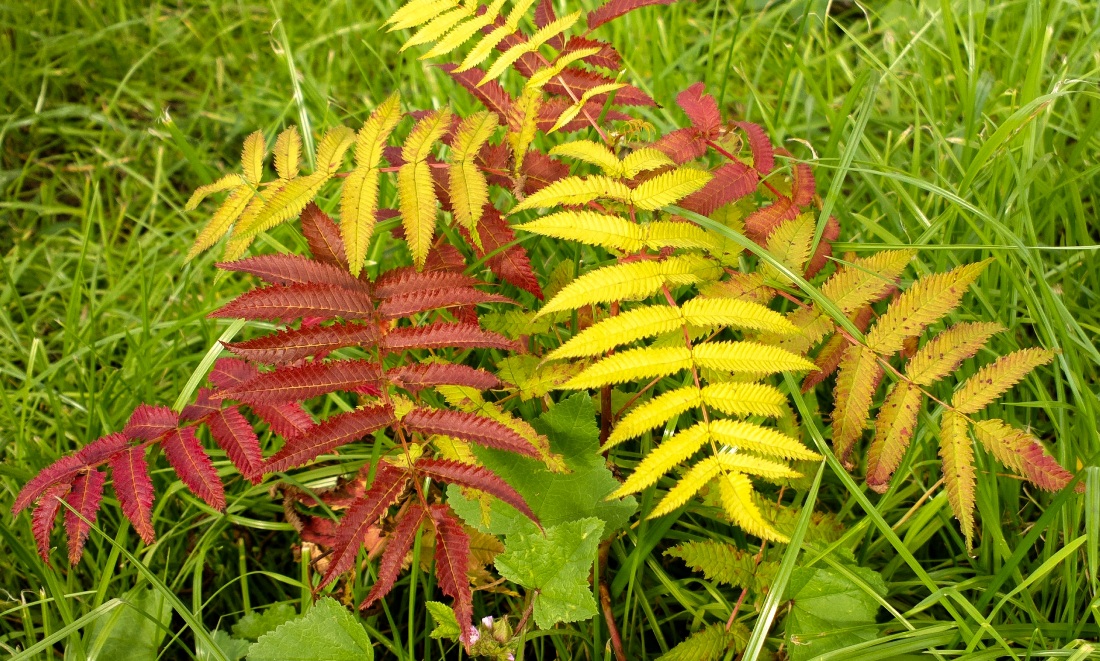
point(415, 378)
point(491, 95)
point(304, 381)
point(290, 302)
point(389, 483)
point(1042, 469)
point(323, 236)
point(606, 58)
point(475, 477)
point(294, 270)
point(452, 557)
point(551, 110)
point(408, 280)
point(148, 423)
point(134, 489)
point(579, 81)
point(683, 145)
point(701, 108)
point(443, 336)
point(539, 171)
point(287, 420)
point(44, 517)
point(389, 567)
point(61, 471)
point(763, 153)
point(102, 449)
point(203, 406)
point(615, 8)
point(761, 223)
point(803, 186)
point(84, 497)
point(332, 433)
point(468, 427)
point(731, 182)
point(189, 460)
point(407, 305)
point(510, 264)
point(293, 345)
point(234, 434)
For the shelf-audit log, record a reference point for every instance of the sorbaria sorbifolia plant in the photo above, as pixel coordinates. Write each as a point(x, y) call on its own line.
point(675, 327)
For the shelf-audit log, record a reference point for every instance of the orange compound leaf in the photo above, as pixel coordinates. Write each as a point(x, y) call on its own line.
point(294, 270)
point(1044, 470)
point(824, 248)
point(510, 263)
point(701, 108)
point(302, 382)
point(683, 145)
point(579, 81)
point(731, 182)
point(415, 378)
point(189, 460)
point(408, 280)
point(150, 422)
point(452, 557)
point(102, 449)
point(234, 434)
point(761, 223)
point(84, 497)
point(332, 433)
point(407, 305)
point(389, 483)
point(552, 109)
point(295, 344)
point(323, 237)
point(61, 471)
point(615, 8)
point(763, 153)
point(44, 517)
point(468, 427)
point(606, 58)
point(401, 541)
point(444, 335)
point(803, 188)
point(290, 302)
point(134, 489)
point(475, 477)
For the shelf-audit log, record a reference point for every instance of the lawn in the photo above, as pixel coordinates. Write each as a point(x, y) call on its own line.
point(964, 129)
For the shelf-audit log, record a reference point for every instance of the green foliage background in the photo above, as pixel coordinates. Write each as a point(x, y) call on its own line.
point(964, 127)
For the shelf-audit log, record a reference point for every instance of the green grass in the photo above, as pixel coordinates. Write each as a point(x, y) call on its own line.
point(968, 129)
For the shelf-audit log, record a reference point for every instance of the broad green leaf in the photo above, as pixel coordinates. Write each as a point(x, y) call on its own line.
point(134, 631)
point(557, 565)
point(328, 632)
point(255, 624)
point(231, 648)
point(555, 498)
point(830, 611)
point(446, 624)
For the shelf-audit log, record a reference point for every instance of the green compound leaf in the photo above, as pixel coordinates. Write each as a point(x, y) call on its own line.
point(555, 498)
point(830, 610)
point(328, 632)
point(446, 624)
point(557, 565)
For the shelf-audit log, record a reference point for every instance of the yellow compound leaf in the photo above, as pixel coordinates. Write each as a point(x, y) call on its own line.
point(669, 234)
point(790, 243)
point(632, 365)
point(288, 153)
point(468, 187)
point(233, 206)
point(894, 427)
point(957, 454)
point(731, 312)
point(750, 357)
point(591, 152)
point(527, 107)
point(689, 485)
point(372, 137)
point(991, 381)
point(464, 31)
point(1003, 441)
point(858, 378)
point(428, 131)
point(945, 352)
point(866, 279)
point(509, 57)
point(437, 27)
point(644, 160)
point(485, 47)
point(630, 281)
point(543, 76)
point(415, 187)
point(358, 204)
point(228, 182)
point(417, 12)
point(743, 462)
point(735, 491)
point(330, 151)
point(589, 227)
point(655, 412)
point(669, 454)
point(570, 113)
point(666, 188)
point(623, 328)
point(745, 399)
point(753, 437)
point(252, 157)
point(929, 299)
point(573, 191)
point(284, 204)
